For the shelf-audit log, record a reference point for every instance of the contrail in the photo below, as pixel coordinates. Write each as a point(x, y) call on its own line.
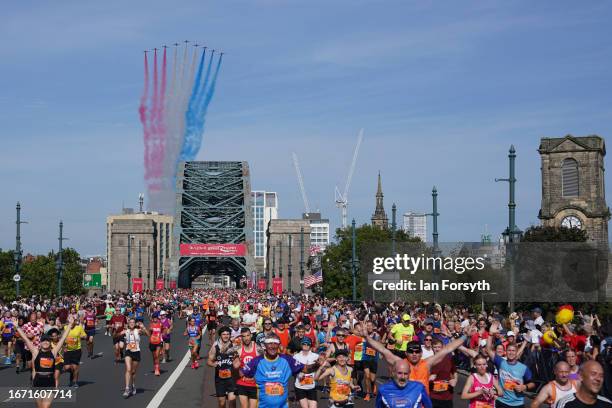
point(142, 110)
point(153, 121)
point(193, 140)
point(191, 115)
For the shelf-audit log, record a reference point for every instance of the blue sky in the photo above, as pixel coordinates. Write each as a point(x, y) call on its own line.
point(441, 88)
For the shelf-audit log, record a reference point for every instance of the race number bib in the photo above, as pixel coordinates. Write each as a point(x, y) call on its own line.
point(370, 351)
point(274, 389)
point(437, 331)
point(155, 339)
point(225, 373)
point(510, 385)
point(483, 404)
point(46, 362)
point(440, 386)
point(343, 389)
point(132, 346)
point(72, 341)
point(307, 380)
point(406, 338)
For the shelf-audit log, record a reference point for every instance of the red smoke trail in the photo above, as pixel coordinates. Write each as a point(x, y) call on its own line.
point(161, 125)
point(154, 163)
point(142, 110)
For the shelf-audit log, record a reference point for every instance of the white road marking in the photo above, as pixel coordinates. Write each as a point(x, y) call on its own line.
point(163, 391)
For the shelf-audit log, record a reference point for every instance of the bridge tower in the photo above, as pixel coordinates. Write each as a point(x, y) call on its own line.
point(214, 220)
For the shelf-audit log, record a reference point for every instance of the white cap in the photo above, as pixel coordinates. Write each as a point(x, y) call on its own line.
point(510, 333)
point(163, 312)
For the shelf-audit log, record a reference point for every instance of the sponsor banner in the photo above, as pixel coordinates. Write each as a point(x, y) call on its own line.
point(159, 284)
point(249, 284)
point(172, 284)
point(277, 286)
point(261, 285)
point(136, 285)
point(213, 249)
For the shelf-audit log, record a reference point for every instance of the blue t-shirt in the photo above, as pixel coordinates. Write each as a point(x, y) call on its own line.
point(272, 378)
point(510, 375)
point(413, 395)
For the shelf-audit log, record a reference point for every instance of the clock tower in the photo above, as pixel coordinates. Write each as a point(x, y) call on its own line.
point(573, 193)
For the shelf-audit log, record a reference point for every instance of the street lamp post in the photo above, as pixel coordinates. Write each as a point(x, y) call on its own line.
point(393, 243)
point(353, 258)
point(129, 264)
point(512, 234)
point(139, 259)
point(18, 253)
point(436, 248)
point(301, 259)
point(60, 260)
point(149, 267)
point(289, 265)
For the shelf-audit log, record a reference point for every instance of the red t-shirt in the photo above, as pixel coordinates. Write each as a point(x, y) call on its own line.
point(118, 323)
point(476, 338)
point(439, 389)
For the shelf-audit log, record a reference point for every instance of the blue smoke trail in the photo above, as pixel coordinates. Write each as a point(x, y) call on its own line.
point(191, 112)
point(195, 114)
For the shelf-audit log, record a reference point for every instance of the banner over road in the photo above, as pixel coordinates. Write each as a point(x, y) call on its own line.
point(213, 249)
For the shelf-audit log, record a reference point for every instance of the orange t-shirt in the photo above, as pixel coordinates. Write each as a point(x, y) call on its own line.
point(351, 340)
point(420, 373)
point(284, 337)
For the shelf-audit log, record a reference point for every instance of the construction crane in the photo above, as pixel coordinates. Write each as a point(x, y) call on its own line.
point(342, 198)
point(296, 164)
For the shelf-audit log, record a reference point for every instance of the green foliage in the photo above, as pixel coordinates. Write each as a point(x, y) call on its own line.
point(39, 277)
point(554, 234)
point(336, 262)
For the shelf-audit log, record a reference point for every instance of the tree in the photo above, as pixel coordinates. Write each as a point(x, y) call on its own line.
point(336, 261)
point(39, 275)
point(541, 233)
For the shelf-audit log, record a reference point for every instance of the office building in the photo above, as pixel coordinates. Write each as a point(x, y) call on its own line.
point(415, 225)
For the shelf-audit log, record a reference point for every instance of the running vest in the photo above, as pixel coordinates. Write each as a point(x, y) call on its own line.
point(481, 401)
point(7, 331)
point(557, 393)
point(44, 363)
point(245, 358)
point(156, 332)
point(90, 321)
point(283, 336)
point(340, 384)
point(223, 369)
point(212, 315)
point(132, 340)
point(420, 373)
point(192, 332)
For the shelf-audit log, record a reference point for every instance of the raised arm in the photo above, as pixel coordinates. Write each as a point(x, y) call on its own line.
point(378, 346)
point(61, 341)
point(449, 348)
point(28, 343)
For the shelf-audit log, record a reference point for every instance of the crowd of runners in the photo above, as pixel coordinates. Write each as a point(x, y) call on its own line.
point(272, 351)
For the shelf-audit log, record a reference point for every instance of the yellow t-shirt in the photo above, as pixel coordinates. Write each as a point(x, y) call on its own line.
point(402, 335)
point(73, 341)
point(234, 311)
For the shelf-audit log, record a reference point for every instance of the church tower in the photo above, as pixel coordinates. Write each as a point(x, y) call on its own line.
point(379, 218)
point(573, 193)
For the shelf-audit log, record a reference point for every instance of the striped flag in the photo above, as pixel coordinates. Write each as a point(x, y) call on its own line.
point(313, 279)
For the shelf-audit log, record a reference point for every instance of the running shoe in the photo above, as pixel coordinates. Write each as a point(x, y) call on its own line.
point(126, 393)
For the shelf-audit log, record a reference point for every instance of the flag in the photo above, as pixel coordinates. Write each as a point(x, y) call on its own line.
point(313, 279)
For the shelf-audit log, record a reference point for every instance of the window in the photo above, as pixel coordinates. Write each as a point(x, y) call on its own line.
point(569, 178)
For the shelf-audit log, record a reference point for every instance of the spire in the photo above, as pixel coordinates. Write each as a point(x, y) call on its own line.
point(379, 218)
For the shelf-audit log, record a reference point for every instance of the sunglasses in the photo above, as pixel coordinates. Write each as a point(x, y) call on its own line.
point(427, 339)
point(414, 351)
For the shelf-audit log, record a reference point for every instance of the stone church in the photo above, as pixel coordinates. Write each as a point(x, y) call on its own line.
point(573, 193)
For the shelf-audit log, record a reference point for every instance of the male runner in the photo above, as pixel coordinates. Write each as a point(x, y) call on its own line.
point(90, 328)
point(221, 357)
point(246, 387)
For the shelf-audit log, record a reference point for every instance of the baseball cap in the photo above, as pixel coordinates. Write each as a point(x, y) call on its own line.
point(510, 333)
point(341, 352)
point(537, 310)
point(163, 312)
point(307, 341)
point(406, 317)
point(413, 345)
point(429, 320)
point(324, 323)
point(155, 314)
point(45, 337)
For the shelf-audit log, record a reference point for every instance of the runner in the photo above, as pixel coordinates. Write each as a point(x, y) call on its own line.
point(109, 312)
point(72, 353)
point(155, 340)
point(7, 328)
point(90, 329)
point(118, 323)
point(558, 388)
point(400, 392)
point(194, 333)
point(212, 321)
point(267, 330)
point(271, 373)
point(221, 357)
point(442, 378)
point(33, 330)
point(514, 376)
point(305, 385)
point(401, 334)
point(167, 326)
point(587, 395)
point(132, 334)
point(246, 389)
point(341, 380)
point(44, 362)
point(481, 388)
